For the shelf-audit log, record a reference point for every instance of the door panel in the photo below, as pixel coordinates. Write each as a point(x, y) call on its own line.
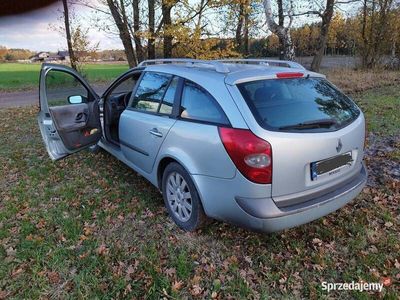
point(141, 135)
point(67, 126)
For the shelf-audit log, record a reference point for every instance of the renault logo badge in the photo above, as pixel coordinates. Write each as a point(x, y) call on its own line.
point(339, 146)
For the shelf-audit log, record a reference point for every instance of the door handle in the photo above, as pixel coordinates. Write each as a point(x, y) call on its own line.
point(155, 132)
point(81, 117)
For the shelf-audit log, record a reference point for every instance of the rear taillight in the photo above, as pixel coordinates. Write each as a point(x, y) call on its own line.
point(251, 155)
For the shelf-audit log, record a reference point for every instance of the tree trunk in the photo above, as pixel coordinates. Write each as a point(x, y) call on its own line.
point(124, 34)
point(151, 48)
point(246, 44)
point(166, 13)
point(281, 20)
point(283, 33)
point(68, 35)
point(136, 29)
point(364, 53)
point(239, 27)
point(323, 36)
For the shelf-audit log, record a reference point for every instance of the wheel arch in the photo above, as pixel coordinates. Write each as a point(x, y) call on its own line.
point(164, 162)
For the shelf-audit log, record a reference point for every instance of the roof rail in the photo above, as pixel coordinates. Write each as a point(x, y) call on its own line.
point(218, 66)
point(274, 62)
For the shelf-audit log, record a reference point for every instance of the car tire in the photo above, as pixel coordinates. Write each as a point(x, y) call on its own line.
point(177, 200)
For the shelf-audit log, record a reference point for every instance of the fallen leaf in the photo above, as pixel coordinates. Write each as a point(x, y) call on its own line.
point(386, 281)
point(388, 224)
point(170, 272)
point(102, 250)
point(41, 224)
point(3, 294)
point(317, 241)
point(177, 285)
point(11, 251)
point(196, 290)
point(54, 277)
point(17, 272)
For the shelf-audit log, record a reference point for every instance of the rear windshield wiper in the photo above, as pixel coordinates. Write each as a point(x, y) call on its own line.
point(323, 123)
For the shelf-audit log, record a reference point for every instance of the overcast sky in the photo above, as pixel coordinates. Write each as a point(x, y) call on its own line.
point(32, 31)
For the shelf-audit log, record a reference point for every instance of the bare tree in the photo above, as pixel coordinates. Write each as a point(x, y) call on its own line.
point(68, 35)
point(283, 33)
point(136, 30)
point(326, 17)
point(120, 18)
point(242, 27)
point(166, 8)
point(151, 48)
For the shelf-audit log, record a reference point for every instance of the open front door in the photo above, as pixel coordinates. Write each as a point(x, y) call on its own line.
point(69, 116)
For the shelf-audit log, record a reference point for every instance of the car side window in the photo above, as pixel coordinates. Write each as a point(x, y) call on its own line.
point(197, 104)
point(168, 100)
point(150, 91)
point(125, 86)
point(121, 93)
point(62, 88)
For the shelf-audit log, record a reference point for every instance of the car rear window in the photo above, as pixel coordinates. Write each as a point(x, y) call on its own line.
point(298, 104)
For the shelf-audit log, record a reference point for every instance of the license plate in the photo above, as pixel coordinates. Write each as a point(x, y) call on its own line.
point(330, 165)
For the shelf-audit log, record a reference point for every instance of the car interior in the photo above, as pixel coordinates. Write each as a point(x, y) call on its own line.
point(115, 102)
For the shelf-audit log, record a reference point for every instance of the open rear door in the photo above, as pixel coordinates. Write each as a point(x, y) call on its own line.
point(69, 116)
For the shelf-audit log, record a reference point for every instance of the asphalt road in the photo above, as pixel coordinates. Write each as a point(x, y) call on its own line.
point(27, 98)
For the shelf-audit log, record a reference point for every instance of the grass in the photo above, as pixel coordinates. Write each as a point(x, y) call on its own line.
point(381, 108)
point(89, 227)
point(17, 76)
point(356, 81)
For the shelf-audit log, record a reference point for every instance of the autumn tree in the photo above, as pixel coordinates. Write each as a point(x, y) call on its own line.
point(283, 32)
point(375, 27)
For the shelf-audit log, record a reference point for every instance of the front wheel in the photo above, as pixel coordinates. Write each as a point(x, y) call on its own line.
point(181, 198)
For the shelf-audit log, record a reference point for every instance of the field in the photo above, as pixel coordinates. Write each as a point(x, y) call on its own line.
point(89, 227)
point(16, 76)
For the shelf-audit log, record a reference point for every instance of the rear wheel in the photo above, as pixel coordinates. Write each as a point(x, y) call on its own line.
point(181, 198)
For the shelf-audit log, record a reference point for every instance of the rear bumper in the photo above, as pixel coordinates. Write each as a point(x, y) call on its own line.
point(262, 214)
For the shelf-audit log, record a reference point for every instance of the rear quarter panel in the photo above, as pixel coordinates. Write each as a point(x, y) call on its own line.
point(198, 148)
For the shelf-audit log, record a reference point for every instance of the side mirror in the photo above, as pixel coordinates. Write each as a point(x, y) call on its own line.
point(76, 99)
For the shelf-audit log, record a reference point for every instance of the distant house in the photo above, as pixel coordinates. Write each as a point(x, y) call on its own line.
point(64, 55)
point(40, 56)
point(60, 56)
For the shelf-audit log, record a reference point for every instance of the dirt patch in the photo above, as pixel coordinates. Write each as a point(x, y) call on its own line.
point(381, 159)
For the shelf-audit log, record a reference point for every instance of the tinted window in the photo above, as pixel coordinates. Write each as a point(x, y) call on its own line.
point(298, 104)
point(168, 100)
point(198, 104)
point(150, 91)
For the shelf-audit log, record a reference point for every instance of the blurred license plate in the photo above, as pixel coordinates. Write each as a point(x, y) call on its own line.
point(325, 166)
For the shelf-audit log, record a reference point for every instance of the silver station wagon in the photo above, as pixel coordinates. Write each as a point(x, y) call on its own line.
point(263, 144)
